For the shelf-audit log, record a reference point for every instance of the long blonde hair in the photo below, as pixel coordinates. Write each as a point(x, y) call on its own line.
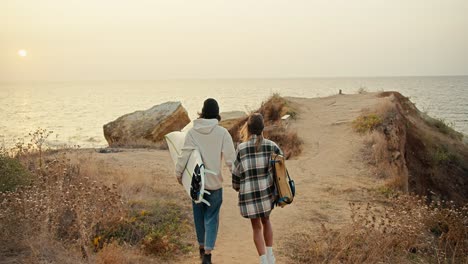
point(253, 126)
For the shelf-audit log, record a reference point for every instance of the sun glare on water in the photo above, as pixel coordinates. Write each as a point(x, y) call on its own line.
point(22, 53)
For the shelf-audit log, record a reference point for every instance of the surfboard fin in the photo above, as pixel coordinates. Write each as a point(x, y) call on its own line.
point(205, 202)
point(210, 172)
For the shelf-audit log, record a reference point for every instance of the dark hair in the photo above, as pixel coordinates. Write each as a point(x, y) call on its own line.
point(253, 126)
point(210, 110)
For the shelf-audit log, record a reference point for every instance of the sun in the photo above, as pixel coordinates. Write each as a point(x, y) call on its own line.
point(22, 53)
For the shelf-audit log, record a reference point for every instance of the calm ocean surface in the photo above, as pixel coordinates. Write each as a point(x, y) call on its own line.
point(76, 111)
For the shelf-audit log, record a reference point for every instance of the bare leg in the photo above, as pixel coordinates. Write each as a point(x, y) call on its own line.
point(267, 231)
point(258, 236)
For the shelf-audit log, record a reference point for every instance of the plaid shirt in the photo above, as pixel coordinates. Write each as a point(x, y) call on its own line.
point(252, 177)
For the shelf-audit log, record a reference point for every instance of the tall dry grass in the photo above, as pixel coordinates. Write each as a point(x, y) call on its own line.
point(384, 142)
point(408, 230)
point(75, 206)
point(61, 204)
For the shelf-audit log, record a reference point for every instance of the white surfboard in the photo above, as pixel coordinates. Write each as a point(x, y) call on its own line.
point(193, 178)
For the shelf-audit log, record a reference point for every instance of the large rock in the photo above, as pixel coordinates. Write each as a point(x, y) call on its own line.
point(229, 119)
point(146, 128)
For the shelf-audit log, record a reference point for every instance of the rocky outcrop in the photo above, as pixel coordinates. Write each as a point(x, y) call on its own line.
point(146, 128)
point(229, 119)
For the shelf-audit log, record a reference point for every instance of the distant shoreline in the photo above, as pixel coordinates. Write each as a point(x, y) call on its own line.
point(233, 78)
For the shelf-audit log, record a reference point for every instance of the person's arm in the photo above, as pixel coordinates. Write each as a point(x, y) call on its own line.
point(229, 153)
point(183, 158)
point(236, 171)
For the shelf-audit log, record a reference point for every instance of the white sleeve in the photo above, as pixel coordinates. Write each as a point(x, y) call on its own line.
point(229, 153)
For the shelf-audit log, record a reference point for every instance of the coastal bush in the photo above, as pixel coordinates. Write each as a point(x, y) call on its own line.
point(366, 123)
point(159, 228)
point(362, 90)
point(287, 140)
point(443, 127)
point(12, 174)
point(61, 205)
point(409, 230)
point(441, 155)
point(68, 206)
point(272, 110)
point(34, 148)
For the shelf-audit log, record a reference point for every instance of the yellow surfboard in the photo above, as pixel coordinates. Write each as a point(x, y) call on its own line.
point(284, 185)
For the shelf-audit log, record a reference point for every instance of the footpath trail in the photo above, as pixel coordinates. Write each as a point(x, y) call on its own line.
point(329, 174)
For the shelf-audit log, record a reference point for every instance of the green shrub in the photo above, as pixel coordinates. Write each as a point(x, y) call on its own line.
point(442, 156)
point(12, 174)
point(366, 123)
point(159, 228)
point(444, 127)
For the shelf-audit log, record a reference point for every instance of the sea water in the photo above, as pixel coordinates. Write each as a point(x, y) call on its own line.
point(77, 111)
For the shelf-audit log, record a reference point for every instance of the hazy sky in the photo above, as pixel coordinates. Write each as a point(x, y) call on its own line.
point(136, 39)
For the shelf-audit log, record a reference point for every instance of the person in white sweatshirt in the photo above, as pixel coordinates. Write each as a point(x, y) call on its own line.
point(214, 143)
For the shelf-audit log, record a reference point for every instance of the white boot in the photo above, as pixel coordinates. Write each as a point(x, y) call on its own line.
point(263, 259)
point(270, 257)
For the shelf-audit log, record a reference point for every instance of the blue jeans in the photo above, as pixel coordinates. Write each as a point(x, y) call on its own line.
point(207, 218)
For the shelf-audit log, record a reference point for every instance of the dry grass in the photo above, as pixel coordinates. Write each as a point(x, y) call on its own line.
point(407, 231)
point(112, 253)
point(384, 160)
point(74, 205)
point(384, 143)
point(286, 139)
point(140, 143)
point(272, 110)
point(60, 205)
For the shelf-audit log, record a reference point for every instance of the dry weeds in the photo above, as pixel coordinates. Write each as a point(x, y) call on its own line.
point(408, 230)
point(73, 206)
point(272, 110)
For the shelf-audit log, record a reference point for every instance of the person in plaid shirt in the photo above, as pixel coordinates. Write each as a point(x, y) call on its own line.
point(252, 177)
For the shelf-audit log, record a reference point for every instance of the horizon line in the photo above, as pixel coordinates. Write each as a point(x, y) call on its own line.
point(237, 78)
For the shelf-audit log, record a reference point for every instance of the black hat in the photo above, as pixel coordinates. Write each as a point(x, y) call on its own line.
point(210, 109)
point(255, 124)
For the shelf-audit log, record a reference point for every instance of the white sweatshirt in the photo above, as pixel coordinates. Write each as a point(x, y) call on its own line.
point(214, 142)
